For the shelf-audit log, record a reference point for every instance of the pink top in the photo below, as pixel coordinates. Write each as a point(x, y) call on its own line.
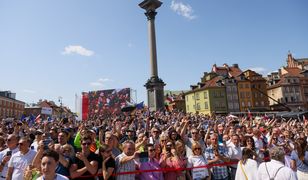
point(176, 163)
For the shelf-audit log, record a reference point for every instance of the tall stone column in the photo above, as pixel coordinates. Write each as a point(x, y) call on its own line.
point(154, 85)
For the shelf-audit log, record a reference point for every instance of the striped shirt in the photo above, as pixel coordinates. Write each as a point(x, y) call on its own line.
point(126, 167)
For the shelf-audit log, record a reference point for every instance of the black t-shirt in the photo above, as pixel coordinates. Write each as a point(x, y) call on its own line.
point(109, 164)
point(80, 164)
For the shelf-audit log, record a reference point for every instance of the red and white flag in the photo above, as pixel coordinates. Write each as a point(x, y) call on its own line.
point(38, 119)
point(249, 114)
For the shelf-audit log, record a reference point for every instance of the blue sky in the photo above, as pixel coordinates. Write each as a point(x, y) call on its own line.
point(58, 48)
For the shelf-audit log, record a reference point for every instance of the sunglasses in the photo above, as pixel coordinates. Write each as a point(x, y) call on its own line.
point(84, 144)
point(197, 149)
point(194, 133)
point(107, 151)
point(21, 144)
point(151, 150)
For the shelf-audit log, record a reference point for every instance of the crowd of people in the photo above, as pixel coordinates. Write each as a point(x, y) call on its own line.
point(156, 145)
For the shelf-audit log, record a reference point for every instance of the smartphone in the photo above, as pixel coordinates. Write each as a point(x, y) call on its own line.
point(144, 157)
point(46, 143)
point(9, 153)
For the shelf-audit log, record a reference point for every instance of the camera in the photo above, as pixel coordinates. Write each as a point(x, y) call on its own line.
point(144, 157)
point(46, 143)
point(8, 153)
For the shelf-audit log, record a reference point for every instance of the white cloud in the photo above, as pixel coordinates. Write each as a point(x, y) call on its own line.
point(100, 82)
point(29, 91)
point(182, 9)
point(71, 49)
point(104, 80)
point(96, 84)
point(259, 70)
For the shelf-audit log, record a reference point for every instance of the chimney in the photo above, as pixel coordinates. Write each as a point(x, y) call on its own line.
point(279, 72)
point(214, 68)
point(235, 65)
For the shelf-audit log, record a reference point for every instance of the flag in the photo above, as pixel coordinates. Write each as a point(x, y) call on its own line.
point(49, 119)
point(23, 116)
point(249, 114)
point(38, 119)
point(140, 105)
point(31, 120)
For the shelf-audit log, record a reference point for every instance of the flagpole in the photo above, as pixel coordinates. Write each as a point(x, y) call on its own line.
point(76, 103)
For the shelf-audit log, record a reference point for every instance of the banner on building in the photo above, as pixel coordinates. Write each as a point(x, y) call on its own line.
point(104, 103)
point(46, 110)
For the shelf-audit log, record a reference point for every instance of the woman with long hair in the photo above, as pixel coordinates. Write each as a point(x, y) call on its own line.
point(158, 152)
point(298, 159)
point(247, 167)
point(250, 144)
point(171, 158)
point(195, 160)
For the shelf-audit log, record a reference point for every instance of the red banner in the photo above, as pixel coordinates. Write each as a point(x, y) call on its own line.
point(85, 106)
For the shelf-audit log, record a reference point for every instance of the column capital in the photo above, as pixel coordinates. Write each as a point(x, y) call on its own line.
point(150, 14)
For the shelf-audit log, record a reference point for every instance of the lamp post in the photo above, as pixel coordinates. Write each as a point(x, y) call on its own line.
point(60, 101)
point(154, 85)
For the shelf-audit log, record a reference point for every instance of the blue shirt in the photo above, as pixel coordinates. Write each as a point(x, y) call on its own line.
point(299, 163)
point(219, 172)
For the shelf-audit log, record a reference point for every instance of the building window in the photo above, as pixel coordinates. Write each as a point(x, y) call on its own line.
point(197, 96)
point(240, 86)
point(217, 104)
point(248, 94)
point(194, 106)
point(262, 103)
point(256, 103)
point(222, 94)
point(198, 106)
point(187, 107)
point(247, 86)
point(230, 105)
point(242, 95)
point(249, 104)
point(206, 105)
point(243, 104)
point(235, 97)
point(205, 95)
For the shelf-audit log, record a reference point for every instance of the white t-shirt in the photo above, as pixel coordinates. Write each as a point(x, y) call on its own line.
point(58, 177)
point(5, 168)
point(195, 161)
point(249, 169)
point(272, 168)
point(34, 145)
point(20, 162)
point(234, 153)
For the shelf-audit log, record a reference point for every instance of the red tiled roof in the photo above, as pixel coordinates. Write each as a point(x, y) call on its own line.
point(212, 82)
point(235, 71)
point(293, 71)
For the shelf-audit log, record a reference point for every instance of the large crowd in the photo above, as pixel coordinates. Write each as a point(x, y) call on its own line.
point(156, 145)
